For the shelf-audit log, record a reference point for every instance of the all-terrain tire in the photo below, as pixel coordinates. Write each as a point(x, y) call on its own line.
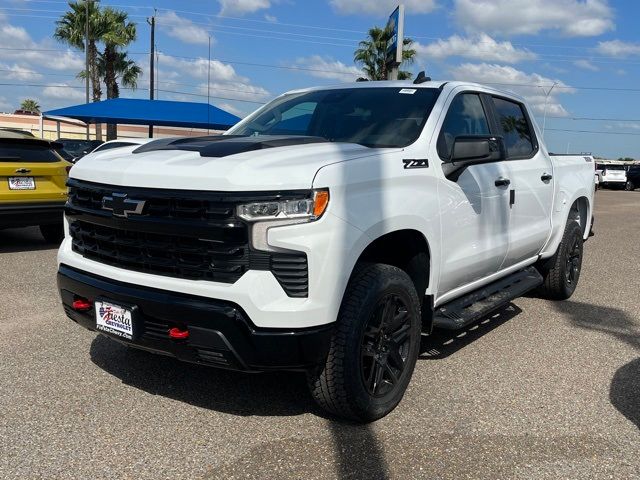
point(52, 233)
point(562, 271)
point(345, 385)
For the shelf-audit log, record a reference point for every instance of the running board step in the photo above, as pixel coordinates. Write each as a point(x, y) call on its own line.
point(473, 306)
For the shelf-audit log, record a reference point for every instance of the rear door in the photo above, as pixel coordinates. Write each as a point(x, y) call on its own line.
point(31, 172)
point(532, 183)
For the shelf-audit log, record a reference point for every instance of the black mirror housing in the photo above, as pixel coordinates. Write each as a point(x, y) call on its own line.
point(468, 150)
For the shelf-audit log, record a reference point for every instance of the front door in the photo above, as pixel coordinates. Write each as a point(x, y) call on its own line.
point(474, 206)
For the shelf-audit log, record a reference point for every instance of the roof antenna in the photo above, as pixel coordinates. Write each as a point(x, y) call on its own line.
point(421, 78)
point(362, 79)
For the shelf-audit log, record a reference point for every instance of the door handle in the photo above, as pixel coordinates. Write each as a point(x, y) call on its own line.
point(502, 182)
point(546, 177)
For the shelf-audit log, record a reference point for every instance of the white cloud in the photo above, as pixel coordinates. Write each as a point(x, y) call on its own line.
point(241, 7)
point(270, 18)
point(225, 81)
point(478, 47)
point(381, 7)
point(586, 65)
point(574, 18)
point(326, 67)
point(531, 86)
point(618, 48)
point(32, 55)
point(63, 91)
point(182, 29)
point(19, 72)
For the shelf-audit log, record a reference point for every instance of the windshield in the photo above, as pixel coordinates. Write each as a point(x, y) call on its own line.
point(374, 117)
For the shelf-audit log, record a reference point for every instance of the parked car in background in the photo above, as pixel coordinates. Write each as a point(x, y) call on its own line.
point(15, 133)
point(78, 148)
point(612, 175)
point(325, 233)
point(33, 186)
point(633, 177)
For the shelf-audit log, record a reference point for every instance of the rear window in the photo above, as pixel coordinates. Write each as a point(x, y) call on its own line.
point(515, 128)
point(613, 167)
point(25, 152)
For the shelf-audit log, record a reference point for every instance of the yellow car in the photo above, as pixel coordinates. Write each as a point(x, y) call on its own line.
point(33, 188)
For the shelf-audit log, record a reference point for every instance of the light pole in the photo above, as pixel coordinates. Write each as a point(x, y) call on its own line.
point(546, 99)
point(86, 51)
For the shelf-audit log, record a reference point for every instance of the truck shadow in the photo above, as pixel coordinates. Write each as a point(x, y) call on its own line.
point(23, 240)
point(443, 343)
point(625, 385)
point(237, 393)
point(358, 453)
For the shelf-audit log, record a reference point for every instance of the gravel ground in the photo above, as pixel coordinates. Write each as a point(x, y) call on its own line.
point(542, 390)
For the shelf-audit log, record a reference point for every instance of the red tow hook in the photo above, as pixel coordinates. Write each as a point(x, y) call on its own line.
point(178, 334)
point(81, 305)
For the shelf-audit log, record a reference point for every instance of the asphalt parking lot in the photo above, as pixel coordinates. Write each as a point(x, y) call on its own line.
point(541, 390)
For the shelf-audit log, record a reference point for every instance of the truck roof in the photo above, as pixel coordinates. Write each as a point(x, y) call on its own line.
point(450, 84)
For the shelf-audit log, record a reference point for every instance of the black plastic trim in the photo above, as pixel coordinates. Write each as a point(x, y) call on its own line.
point(221, 333)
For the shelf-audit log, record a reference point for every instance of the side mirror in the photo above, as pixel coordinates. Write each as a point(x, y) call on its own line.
point(469, 150)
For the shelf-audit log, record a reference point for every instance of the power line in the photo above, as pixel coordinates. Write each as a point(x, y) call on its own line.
point(592, 131)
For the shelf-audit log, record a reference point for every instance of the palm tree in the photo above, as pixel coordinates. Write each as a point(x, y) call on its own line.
point(372, 52)
point(71, 29)
point(30, 105)
point(119, 32)
point(118, 67)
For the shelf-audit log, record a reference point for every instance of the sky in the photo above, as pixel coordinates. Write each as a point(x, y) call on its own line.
point(579, 57)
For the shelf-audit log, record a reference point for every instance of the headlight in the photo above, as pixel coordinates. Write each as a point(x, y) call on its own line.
point(307, 208)
point(266, 215)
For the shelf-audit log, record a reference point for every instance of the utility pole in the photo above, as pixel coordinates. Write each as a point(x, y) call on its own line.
point(546, 99)
point(152, 22)
point(208, 84)
point(86, 51)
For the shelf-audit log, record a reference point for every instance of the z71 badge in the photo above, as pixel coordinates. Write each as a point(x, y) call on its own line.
point(413, 163)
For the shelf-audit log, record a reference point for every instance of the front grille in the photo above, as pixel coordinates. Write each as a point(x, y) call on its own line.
point(182, 234)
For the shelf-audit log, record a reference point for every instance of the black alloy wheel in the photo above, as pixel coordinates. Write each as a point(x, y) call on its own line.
point(385, 345)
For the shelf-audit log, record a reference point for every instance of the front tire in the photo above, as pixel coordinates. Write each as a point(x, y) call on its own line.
point(52, 233)
point(562, 271)
point(629, 186)
point(374, 347)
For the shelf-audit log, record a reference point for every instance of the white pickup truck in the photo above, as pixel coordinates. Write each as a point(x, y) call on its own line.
point(325, 233)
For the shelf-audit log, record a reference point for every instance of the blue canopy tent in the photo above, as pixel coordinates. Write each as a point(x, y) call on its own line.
point(149, 112)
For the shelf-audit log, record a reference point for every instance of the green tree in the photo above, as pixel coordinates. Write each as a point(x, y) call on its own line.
point(114, 63)
point(30, 105)
point(371, 54)
point(71, 29)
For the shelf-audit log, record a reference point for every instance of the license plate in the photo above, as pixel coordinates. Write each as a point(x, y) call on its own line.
point(114, 319)
point(22, 183)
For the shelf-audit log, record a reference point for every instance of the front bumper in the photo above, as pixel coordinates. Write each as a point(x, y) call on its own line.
point(27, 215)
point(220, 332)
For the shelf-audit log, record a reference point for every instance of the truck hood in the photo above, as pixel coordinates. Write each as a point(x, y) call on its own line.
point(287, 167)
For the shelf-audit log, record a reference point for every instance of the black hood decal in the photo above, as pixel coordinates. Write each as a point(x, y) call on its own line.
point(224, 145)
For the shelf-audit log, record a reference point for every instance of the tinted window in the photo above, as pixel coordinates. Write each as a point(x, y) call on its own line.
point(515, 128)
point(465, 117)
point(613, 167)
point(24, 152)
point(375, 117)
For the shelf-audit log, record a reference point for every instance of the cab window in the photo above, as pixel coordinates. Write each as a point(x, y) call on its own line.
point(466, 116)
point(514, 128)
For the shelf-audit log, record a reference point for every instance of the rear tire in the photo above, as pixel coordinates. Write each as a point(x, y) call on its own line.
point(562, 271)
point(52, 233)
point(374, 347)
point(629, 186)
